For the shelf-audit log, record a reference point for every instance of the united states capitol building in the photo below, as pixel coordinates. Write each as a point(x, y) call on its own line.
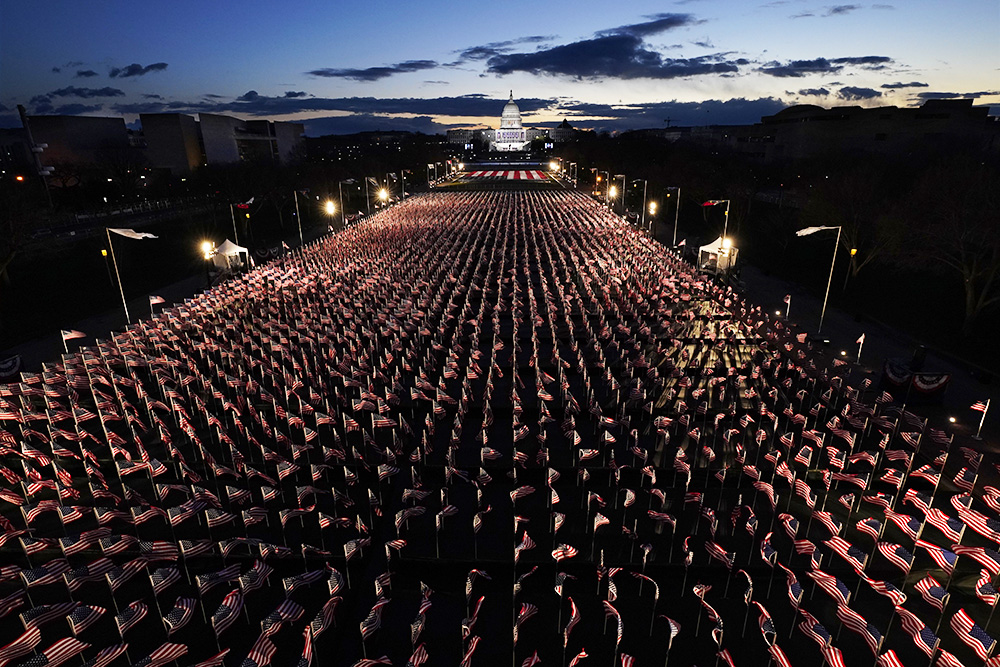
point(511, 135)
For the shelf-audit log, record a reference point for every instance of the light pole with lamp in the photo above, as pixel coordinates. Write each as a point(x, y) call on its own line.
point(812, 230)
point(677, 208)
point(612, 193)
point(652, 219)
point(642, 219)
point(298, 218)
point(624, 191)
point(330, 208)
point(343, 208)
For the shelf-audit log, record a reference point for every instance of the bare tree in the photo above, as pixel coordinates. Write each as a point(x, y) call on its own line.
point(953, 224)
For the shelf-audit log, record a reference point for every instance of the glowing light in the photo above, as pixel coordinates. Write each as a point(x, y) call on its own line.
point(612, 191)
point(383, 194)
point(727, 243)
point(854, 251)
point(952, 420)
point(19, 178)
point(843, 353)
point(329, 207)
point(553, 166)
point(778, 313)
point(104, 252)
point(652, 208)
point(461, 165)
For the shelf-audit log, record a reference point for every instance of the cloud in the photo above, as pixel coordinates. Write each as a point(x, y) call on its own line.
point(883, 6)
point(658, 23)
point(152, 96)
point(799, 68)
point(814, 91)
point(927, 95)
point(135, 69)
point(494, 48)
point(75, 109)
point(295, 93)
point(72, 91)
point(854, 94)
point(84, 74)
point(704, 43)
point(840, 10)
point(317, 127)
point(374, 73)
point(249, 96)
point(622, 56)
point(56, 70)
point(898, 85)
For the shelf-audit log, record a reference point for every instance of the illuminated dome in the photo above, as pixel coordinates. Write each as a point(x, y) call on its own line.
point(511, 116)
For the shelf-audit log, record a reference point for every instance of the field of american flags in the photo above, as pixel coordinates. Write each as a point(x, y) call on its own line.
point(478, 393)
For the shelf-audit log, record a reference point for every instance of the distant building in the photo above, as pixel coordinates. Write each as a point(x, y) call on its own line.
point(79, 140)
point(180, 143)
point(511, 136)
point(807, 132)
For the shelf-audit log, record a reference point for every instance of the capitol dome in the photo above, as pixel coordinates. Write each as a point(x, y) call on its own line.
point(511, 116)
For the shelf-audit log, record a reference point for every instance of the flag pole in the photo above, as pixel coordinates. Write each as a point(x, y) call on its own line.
point(107, 231)
point(981, 419)
point(861, 344)
point(236, 236)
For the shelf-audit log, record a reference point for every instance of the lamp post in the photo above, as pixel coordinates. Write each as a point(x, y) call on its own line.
point(624, 190)
point(330, 208)
point(812, 230)
point(652, 219)
point(642, 219)
point(298, 218)
point(607, 184)
point(612, 193)
point(854, 251)
point(677, 209)
point(343, 208)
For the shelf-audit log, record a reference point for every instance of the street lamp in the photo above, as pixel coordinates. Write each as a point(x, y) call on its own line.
point(612, 193)
point(677, 208)
point(652, 219)
point(642, 220)
point(812, 230)
point(383, 195)
point(624, 191)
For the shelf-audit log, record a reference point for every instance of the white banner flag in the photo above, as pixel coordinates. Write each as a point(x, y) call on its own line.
point(131, 233)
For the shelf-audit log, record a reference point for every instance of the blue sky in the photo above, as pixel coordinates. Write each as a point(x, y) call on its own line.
point(433, 65)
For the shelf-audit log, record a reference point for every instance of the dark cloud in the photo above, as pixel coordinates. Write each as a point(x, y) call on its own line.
point(135, 69)
point(855, 94)
point(152, 96)
point(814, 91)
point(656, 24)
point(295, 93)
point(897, 85)
point(927, 95)
point(704, 43)
point(495, 48)
point(85, 73)
point(802, 15)
point(56, 70)
point(75, 109)
point(255, 104)
point(798, 68)
point(318, 127)
point(883, 6)
point(619, 56)
point(374, 73)
point(840, 10)
point(86, 93)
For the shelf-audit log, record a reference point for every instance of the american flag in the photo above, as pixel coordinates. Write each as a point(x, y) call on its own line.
point(132, 614)
point(897, 555)
point(373, 621)
point(831, 585)
point(972, 634)
point(766, 625)
point(987, 557)
point(166, 653)
point(83, 617)
point(854, 621)
point(36, 617)
point(227, 612)
point(58, 653)
point(23, 645)
point(923, 637)
point(932, 591)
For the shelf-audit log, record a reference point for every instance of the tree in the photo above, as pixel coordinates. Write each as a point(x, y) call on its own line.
point(860, 202)
point(953, 224)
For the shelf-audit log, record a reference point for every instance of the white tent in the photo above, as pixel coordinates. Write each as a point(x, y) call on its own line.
point(229, 256)
point(715, 258)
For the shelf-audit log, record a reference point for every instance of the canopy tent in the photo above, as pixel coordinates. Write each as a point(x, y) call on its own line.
point(714, 258)
point(229, 256)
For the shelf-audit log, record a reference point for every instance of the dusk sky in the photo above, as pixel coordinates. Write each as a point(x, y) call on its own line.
point(430, 66)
